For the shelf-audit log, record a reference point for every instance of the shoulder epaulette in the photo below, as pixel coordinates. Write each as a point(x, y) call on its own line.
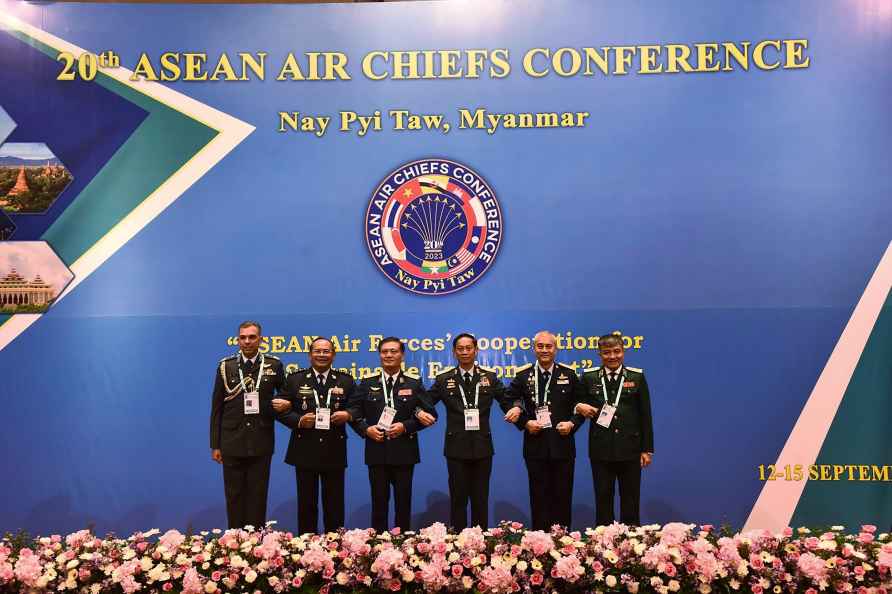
point(591, 369)
point(266, 356)
point(490, 370)
point(635, 369)
point(412, 375)
point(227, 358)
point(523, 368)
point(567, 367)
point(447, 370)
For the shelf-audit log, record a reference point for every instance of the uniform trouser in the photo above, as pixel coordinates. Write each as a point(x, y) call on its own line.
point(332, 480)
point(469, 479)
point(605, 474)
point(381, 477)
point(551, 492)
point(246, 482)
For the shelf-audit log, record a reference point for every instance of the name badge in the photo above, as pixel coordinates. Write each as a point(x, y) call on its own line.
point(386, 418)
point(472, 419)
point(252, 403)
point(405, 392)
point(543, 417)
point(323, 418)
point(605, 417)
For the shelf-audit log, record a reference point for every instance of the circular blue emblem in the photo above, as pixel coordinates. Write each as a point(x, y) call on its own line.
point(433, 226)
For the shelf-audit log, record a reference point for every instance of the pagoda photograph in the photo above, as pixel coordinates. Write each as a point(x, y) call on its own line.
point(31, 177)
point(31, 277)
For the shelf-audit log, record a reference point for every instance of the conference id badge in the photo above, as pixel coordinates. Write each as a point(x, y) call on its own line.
point(605, 417)
point(386, 418)
point(472, 419)
point(323, 418)
point(252, 403)
point(543, 417)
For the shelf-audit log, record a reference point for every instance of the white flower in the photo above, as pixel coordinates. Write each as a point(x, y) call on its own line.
point(837, 528)
point(251, 576)
point(210, 587)
point(610, 581)
point(522, 565)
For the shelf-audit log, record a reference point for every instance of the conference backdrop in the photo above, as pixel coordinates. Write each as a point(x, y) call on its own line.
point(712, 180)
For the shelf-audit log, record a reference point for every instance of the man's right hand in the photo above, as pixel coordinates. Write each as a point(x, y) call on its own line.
point(307, 421)
point(533, 427)
point(217, 456)
point(280, 405)
point(375, 433)
point(426, 418)
point(586, 410)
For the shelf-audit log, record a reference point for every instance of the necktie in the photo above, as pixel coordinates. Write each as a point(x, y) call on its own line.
point(390, 385)
point(468, 377)
point(320, 383)
point(543, 384)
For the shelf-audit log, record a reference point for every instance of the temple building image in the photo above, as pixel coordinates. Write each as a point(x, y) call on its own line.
point(18, 293)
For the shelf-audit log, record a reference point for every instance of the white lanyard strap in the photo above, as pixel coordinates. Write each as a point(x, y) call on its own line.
point(241, 376)
point(461, 389)
point(544, 400)
point(388, 396)
point(619, 389)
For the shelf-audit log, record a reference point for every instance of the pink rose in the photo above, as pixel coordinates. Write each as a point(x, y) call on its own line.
point(537, 578)
point(216, 576)
point(869, 528)
point(167, 587)
point(756, 589)
point(457, 570)
point(865, 537)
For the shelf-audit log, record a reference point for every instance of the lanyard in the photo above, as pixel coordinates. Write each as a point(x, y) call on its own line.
point(619, 389)
point(241, 376)
point(388, 397)
point(461, 389)
point(544, 400)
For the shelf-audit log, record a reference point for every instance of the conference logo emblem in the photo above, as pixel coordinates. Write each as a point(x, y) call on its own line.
point(433, 226)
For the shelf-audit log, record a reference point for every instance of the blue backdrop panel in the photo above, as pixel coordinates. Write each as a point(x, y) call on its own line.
point(731, 219)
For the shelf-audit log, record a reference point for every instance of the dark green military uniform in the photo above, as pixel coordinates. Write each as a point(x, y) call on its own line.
point(615, 452)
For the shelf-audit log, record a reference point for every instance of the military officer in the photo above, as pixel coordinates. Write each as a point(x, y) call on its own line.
point(549, 392)
point(621, 435)
point(467, 393)
point(318, 445)
point(242, 432)
point(383, 410)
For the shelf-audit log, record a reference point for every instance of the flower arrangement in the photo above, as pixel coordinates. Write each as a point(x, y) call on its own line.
point(506, 559)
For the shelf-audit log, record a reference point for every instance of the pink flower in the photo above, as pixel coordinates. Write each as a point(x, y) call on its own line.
point(167, 587)
point(27, 567)
point(865, 537)
point(669, 569)
point(884, 559)
point(269, 546)
point(395, 585)
point(471, 540)
point(812, 566)
point(436, 532)
point(537, 578)
point(496, 579)
point(355, 542)
point(171, 540)
point(316, 559)
point(675, 533)
point(77, 539)
point(388, 561)
point(868, 528)
point(811, 591)
point(537, 542)
point(216, 576)
point(568, 568)
point(756, 589)
point(296, 582)
point(432, 573)
point(457, 570)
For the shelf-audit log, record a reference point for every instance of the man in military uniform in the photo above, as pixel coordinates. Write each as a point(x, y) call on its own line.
point(467, 392)
point(621, 436)
point(243, 413)
point(318, 445)
point(549, 392)
point(383, 410)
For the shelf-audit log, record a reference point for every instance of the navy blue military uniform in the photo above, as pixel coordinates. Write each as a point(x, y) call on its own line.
point(468, 453)
point(246, 441)
point(391, 462)
point(318, 455)
point(550, 457)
